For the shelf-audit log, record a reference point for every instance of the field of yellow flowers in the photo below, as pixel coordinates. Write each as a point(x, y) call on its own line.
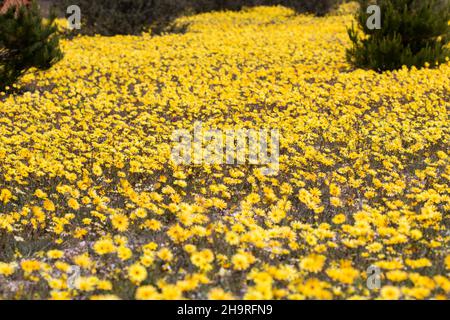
point(93, 207)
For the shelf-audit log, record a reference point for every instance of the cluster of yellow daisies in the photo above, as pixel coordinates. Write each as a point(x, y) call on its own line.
point(93, 207)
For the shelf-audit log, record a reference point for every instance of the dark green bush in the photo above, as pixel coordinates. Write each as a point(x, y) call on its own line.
point(110, 17)
point(26, 41)
point(413, 33)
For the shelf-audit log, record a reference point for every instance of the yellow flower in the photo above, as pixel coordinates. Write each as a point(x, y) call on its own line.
point(73, 203)
point(447, 262)
point(137, 273)
point(346, 275)
point(6, 269)
point(147, 259)
point(419, 263)
point(97, 170)
point(339, 219)
point(165, 254)
point(152, 224)
point(104, 246)
point(120, 222)
point(5, 196)
point(335, 191)
point(40, 194)
point(147, 293)
point(312, 263)
point(55, 254)
point(49, 205)
point(104, 285)
point(82, 260)
point(375, 247)
point(202, 259)
point(190, 248)
point(240, 261)
point(232, 238)
point(86, 283)
point(219, 294)
point(62, 266)
point(140, 213)
point(397, 275)
point(30, 265)
point(60, 295)
point(124, 253)
point(171, 292)
point(390, 293)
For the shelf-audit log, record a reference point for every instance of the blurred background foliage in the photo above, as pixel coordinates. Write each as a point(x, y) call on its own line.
point(111, 17)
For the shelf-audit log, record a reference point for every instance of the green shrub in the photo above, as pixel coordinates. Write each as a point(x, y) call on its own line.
point(413, 33)
point(26, 41)
point(110, 17)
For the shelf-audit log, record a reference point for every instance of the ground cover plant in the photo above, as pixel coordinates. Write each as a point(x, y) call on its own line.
point(93, 207)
